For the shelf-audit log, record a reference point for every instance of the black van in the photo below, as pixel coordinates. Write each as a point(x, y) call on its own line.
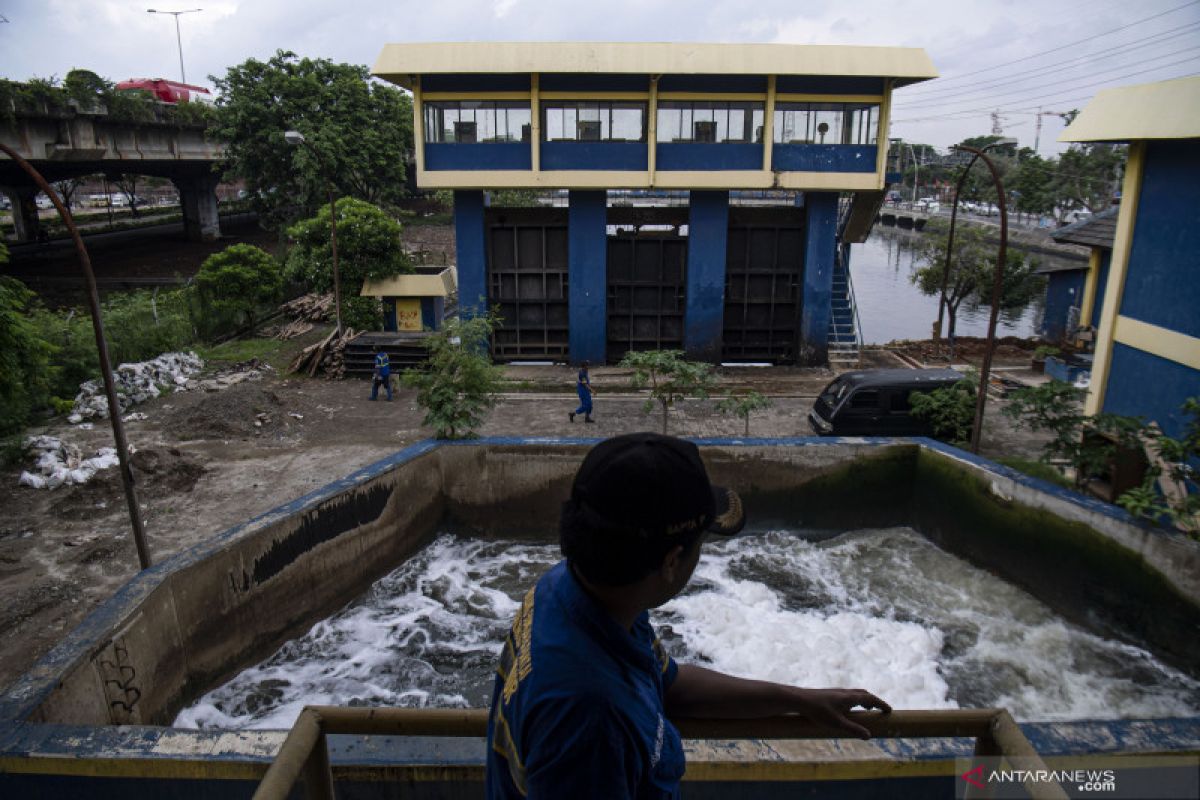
point(875, 402)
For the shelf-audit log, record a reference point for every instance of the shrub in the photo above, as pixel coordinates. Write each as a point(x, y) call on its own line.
point(458, 384)
point(233, 284)
point(950, 411)
point(670, 377)
point(24, 358)
point(743, 405)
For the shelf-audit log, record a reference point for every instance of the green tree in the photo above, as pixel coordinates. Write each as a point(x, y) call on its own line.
point(972, 270)
point(458, 385)
point(369, 247)
point(1088, 444)
point(670, 377)
point(237, 281)
point(1033, 184)
point(1088, 176)
point(950, 411)
point(24, 356)
point(743, 405)
point(361, 128)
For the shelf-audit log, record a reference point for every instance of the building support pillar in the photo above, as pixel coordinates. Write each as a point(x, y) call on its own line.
point(24, 212)
point(198, 201)
point(704, 316)
point(820, 230)
point(470, 241)
point(587, 275)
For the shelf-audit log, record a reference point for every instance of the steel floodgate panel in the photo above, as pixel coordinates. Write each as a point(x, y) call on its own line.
point(527, 280)
point(764, 268)
point(647, 292)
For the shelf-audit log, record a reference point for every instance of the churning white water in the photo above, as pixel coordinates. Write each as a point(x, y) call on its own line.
point(883, 610)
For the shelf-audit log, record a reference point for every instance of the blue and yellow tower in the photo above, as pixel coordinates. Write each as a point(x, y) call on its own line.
point(651, 142)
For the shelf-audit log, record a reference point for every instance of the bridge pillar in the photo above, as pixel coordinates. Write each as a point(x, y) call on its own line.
point(198, 200)
point(24, 212)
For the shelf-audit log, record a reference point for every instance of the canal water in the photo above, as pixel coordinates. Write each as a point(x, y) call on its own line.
point(890, 307)
point(883, 610)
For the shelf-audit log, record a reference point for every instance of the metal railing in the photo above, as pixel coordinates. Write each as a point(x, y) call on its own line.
point(305, 752)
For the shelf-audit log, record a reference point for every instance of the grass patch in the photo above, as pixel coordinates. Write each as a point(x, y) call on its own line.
point(275, 352)
point(1036, 469)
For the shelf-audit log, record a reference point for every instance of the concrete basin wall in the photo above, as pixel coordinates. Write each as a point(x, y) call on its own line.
point(195, 620)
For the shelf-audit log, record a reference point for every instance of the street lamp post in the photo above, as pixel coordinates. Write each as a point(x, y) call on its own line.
point(178, 38)
point(110, 390)
point(296, 139)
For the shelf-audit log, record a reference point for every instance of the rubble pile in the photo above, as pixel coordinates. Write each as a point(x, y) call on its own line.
point(304, 311)
point(251, 370)
point(136, 383)
point(58, 463)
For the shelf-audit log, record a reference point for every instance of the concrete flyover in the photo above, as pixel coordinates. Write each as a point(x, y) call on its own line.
point(74, 143)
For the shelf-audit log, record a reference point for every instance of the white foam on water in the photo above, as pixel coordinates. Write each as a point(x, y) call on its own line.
point(884, 610)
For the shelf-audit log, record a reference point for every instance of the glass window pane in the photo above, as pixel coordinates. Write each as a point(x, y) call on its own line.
point(628, 123)
point(670, 123)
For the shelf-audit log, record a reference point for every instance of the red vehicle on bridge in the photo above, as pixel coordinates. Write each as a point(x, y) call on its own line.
point(169, 91)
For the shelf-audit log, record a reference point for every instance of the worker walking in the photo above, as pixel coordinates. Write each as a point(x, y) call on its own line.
point(383, 374)
point(583, 387)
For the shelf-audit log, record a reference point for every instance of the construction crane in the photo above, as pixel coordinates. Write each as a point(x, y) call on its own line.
point(1037, 137)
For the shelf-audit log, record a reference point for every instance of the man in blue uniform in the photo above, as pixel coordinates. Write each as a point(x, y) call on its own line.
point(584, 688)
point(383, 374)
point(583, 388)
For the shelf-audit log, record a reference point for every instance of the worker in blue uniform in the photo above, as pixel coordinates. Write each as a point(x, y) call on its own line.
point(583, 388)
point(585, 692)
point(383, 374)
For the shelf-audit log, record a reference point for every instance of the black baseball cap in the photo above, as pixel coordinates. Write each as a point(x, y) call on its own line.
point(657, 486)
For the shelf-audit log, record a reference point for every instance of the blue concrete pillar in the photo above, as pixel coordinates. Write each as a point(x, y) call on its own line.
point(704, 317)
point(587, 274)
point(470, 241)
point(820, 230)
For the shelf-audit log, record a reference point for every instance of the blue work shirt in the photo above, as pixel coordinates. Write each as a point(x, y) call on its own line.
point(577, 709)
point(382, 365)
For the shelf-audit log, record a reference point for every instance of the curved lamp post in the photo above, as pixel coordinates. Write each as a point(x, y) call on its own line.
point(110, 390)
point(997, 282)
point(296, 139)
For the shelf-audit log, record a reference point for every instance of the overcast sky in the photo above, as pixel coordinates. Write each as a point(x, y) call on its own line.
point(1011, 55)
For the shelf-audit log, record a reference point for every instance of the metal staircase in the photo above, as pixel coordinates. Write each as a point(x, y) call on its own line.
point(845, 339)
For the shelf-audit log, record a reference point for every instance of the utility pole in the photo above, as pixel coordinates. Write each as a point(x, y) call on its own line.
point(178, 39)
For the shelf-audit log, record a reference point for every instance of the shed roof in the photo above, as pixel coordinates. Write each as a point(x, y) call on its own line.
point(1163, 110)
point(440, 284)
point(398, 63)
point(1098, 230)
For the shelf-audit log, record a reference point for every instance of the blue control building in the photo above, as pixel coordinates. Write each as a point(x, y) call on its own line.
point(711, 190)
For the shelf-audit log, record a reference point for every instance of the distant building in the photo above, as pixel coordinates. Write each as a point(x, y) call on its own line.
point(1075, 292)
point(596, 280)
point(1147, 359)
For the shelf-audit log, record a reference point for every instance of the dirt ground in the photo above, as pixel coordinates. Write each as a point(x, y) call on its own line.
point(206, 461)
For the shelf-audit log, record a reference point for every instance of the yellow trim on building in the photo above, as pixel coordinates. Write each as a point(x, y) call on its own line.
point(535, 120)
point(1158, 341)
point(122, 766)
point(617, 96)
point(1131, 191)
point(670, 179)
point(435, 96)
point(418, 124)
point(882, 123)
point(718, 96)
point(784, 97)
point(399, 62)
point(1090, 284)
point(1162, 110)
point(652, 131)
point(831, 181)
point(769, 122)
point(440, 285)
